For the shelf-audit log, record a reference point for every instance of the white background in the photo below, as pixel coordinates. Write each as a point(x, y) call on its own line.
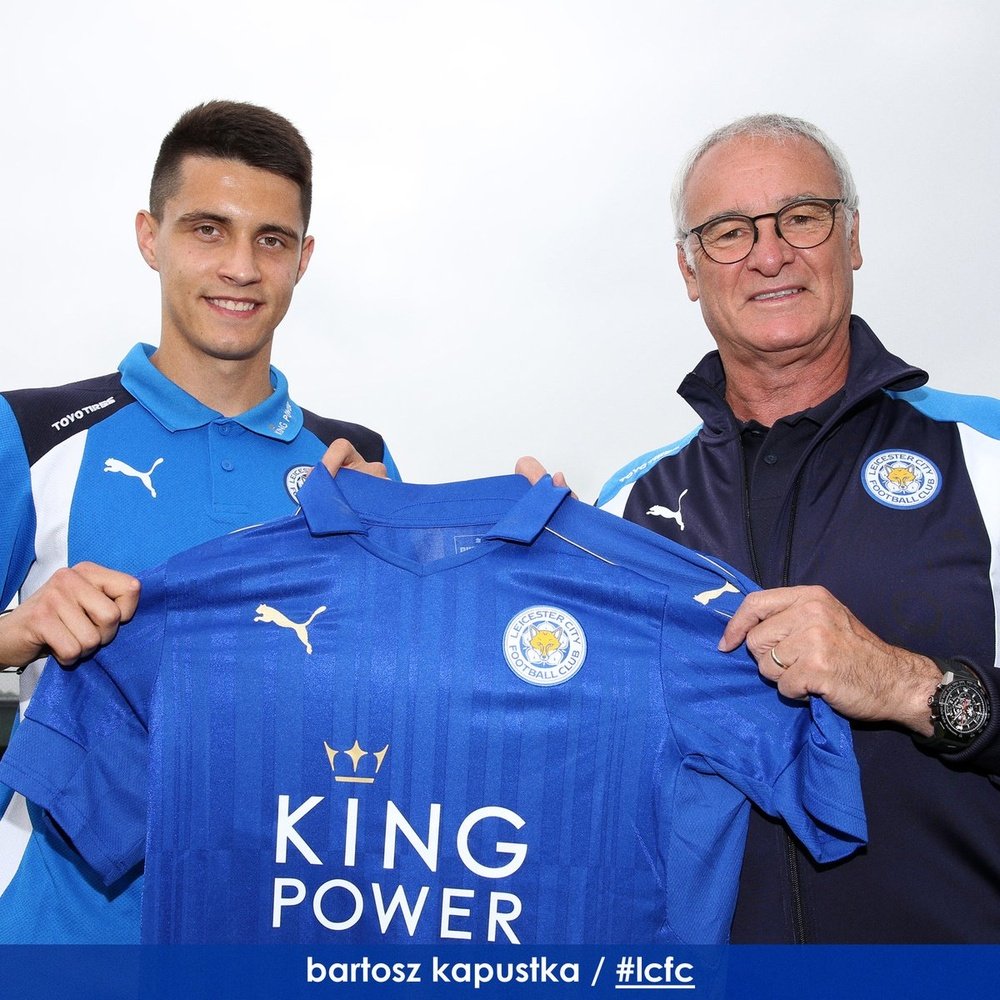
point(494, 272)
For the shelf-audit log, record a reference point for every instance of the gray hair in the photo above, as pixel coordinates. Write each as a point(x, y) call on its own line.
point(763, 126)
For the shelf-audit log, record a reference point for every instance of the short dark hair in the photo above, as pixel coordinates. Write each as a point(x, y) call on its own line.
point(230, 130)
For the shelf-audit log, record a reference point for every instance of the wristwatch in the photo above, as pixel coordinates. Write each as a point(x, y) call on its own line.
point(960, 709)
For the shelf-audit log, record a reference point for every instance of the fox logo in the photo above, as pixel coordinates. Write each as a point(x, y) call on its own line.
point(545, 641)
point(901, 476)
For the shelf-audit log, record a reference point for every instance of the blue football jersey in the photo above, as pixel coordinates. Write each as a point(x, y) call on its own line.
point(476, 711)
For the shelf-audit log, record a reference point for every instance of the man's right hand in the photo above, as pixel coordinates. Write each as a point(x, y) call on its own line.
point(76, 612)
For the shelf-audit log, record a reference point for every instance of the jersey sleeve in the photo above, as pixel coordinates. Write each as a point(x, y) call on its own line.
point(17, 512)
point(795, 760)
point(82, 749)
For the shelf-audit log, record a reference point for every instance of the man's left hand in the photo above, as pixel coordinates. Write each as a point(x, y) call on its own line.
point(808, 643)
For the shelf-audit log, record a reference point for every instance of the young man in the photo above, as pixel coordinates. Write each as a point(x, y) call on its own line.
point(187, 441)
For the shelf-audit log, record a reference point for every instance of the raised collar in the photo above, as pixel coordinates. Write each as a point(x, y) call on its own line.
point(343, 505)
point(872, 369)
point(276, 417)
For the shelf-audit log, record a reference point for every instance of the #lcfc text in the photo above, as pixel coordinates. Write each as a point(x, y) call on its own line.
point(338, 904)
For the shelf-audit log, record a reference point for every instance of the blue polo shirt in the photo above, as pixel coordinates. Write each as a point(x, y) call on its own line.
point(125, 470)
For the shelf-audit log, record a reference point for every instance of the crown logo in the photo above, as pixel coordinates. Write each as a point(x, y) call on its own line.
point(355, 755)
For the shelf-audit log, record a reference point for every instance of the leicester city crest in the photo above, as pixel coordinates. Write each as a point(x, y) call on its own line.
point(901, 479)
point(544, 645)
point(294, 478)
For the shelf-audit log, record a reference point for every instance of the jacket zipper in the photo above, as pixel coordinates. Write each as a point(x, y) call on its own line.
point(791, 855)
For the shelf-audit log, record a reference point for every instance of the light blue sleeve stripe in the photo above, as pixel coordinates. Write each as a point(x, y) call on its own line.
point(979, 412)
point(635, 470)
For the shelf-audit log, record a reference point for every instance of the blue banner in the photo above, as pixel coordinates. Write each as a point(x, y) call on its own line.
point(733, 973)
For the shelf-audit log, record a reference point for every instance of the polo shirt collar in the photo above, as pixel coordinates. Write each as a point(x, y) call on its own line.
point(276, 417)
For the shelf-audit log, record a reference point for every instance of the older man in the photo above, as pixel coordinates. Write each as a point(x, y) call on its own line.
point(827, 471)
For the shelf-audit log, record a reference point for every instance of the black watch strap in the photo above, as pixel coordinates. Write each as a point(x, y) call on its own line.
point(960, 709)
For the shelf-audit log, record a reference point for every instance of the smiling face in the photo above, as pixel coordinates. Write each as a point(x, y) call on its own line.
point(229, 248)
point(778, 300)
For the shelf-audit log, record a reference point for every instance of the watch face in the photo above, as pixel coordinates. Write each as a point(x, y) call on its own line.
point(963, 707)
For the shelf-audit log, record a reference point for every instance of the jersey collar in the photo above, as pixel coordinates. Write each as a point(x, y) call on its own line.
point(276, 417)
point(343, 504)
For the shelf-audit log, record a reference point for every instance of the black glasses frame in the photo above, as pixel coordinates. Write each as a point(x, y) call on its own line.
point(832, 203)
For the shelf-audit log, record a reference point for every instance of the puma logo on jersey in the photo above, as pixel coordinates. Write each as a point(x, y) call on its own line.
point(710, 595)
point(265, 613)
point(116, 465)
point(671, 515)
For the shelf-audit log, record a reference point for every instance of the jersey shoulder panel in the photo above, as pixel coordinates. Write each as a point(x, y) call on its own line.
point(49, 416)
point(982, 413)
point(643, 552)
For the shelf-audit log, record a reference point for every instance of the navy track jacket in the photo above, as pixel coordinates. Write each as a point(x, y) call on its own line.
point(889, 496)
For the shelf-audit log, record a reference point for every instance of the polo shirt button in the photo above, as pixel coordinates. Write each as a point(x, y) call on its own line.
point(771, 459)
point(228, 466)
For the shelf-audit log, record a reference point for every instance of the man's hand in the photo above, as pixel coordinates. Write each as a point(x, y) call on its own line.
point(808, 643)
point(343, 455)
point(76, 612)
point(533, 470)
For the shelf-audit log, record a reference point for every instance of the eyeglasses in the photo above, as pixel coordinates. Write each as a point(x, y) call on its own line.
point(802, 224)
